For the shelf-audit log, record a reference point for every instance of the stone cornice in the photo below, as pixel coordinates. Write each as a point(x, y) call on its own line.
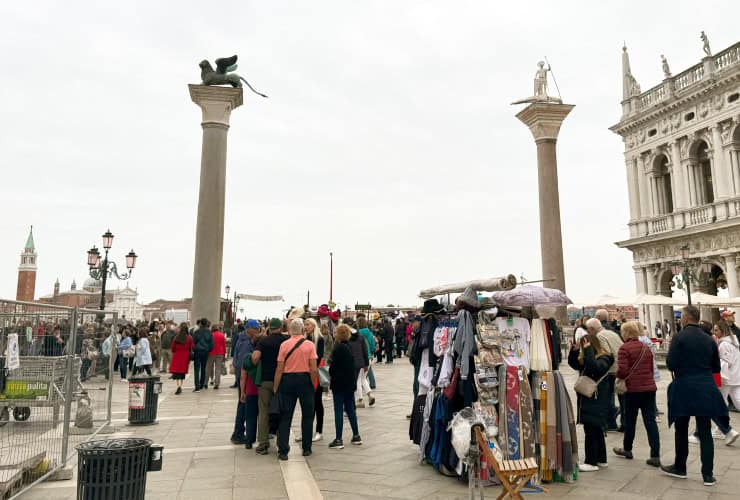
point(544, 119)
point(687, 97)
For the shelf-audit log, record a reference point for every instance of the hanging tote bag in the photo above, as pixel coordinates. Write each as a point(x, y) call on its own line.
point(620, 386)
point(586, 386)
point(324, 378)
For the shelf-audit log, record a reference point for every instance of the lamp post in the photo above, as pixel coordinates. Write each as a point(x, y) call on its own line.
point(686, 270)
point(331, 276)
point(227, 289)
point(105, 268)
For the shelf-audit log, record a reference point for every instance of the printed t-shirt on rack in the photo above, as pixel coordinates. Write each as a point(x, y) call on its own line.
point(515, 336)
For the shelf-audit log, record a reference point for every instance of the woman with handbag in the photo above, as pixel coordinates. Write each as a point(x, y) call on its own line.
point(343, 371)
point(636, 381)
point(592, 361)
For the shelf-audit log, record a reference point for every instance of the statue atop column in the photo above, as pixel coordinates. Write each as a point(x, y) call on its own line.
point(223, 74)
point(666, 68)
point(707, 49)
point(540, 86)
point(540, 80)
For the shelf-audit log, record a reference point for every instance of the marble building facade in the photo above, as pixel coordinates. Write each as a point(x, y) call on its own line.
point(682, 161)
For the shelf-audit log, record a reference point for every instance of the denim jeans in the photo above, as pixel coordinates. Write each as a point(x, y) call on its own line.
point(123, 365)
point(245, 424)
point(199, 369)
point(371, 377)
point(344, 402)
point(84, 367)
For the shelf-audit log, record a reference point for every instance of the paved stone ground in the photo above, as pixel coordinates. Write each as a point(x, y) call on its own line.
point(387, 466)
point(199, 461)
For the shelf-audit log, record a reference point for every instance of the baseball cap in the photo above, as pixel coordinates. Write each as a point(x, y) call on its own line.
point(276, 323)
point(253, 323)
point(727, 313)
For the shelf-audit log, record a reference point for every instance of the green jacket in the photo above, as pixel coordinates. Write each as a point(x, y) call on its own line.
point(254, 371)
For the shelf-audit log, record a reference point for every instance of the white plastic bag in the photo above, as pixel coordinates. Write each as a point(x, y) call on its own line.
point(460, 425)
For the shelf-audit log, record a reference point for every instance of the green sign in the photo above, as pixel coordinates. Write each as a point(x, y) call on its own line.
point(362, 307)
point(25, 389)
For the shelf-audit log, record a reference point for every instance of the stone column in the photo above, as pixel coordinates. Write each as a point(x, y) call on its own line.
point(645, 202)
point(633, 189)
point(216, 104)
point(731, 274)
point(654, 310)
point(544, 120)
point(680, 194)
point(640, 288)
point(722, 169)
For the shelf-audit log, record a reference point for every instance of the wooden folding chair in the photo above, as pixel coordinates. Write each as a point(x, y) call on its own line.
point(513, 474)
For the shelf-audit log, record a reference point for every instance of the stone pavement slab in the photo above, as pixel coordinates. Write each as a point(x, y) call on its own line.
point(199, 461)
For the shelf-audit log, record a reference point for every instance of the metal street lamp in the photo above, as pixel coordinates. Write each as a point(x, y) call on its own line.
point(104, 269)
point(688, 269)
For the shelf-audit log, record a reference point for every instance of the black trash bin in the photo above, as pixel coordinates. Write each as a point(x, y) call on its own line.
point(143, 398)
point(113, 469)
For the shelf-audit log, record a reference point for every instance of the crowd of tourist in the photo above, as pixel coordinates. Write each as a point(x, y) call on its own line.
point(704, 361)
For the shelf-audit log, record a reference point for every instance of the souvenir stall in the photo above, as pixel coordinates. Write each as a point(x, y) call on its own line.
point(490, 357)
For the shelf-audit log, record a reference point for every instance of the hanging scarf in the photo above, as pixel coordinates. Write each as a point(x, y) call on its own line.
point(513, 416)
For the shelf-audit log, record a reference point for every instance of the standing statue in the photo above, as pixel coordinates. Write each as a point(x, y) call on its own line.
point(223, 74)
point(666, 68)
point(705, 39)
point(540, 80)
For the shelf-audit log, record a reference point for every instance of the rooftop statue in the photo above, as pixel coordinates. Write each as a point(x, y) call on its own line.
point(705, 39)
point(223, 74)
point(666, 68)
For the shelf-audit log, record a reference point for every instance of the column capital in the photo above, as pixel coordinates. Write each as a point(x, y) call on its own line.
point(544, 119)
point(216, 102)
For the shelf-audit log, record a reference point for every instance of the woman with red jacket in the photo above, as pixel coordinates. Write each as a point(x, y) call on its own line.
point(635, 367)
point(181, 347)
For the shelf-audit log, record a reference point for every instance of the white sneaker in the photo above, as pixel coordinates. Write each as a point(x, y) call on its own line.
point(717, 434)
point(693, 439)
point(731, 437)
point(603, 464)
point(317, 437)
point(587, 468)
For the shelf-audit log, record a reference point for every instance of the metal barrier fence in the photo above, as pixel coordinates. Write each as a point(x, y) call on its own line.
point(55, 388)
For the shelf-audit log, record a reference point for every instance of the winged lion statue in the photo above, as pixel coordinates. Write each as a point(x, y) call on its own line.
point(223, 74)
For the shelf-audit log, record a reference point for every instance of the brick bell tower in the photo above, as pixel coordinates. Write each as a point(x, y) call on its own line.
point(27, 271)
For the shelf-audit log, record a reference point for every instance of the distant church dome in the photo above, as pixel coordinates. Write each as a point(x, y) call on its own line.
point(91, 284)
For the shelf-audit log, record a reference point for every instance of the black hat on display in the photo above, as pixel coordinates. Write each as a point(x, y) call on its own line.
point(432, 306)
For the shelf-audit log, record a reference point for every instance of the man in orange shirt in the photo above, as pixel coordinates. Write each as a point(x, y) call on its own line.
point(296, 377)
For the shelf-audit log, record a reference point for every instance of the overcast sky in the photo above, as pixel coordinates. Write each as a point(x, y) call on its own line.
point(388, 138)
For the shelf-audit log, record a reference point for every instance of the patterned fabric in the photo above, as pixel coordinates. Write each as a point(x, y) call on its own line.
point(513, 417)
point(503, 431)
point(526, 415)
point(552, 417)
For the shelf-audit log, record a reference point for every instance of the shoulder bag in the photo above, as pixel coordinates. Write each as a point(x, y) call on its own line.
point(620, 386)
point(586, 386)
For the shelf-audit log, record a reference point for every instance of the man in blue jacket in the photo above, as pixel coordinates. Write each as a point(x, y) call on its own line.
point(693, 357)
point(203, 344)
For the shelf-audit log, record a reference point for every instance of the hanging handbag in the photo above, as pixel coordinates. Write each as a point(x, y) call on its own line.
point(586, 386)
point(451, 389)
point(620, 386)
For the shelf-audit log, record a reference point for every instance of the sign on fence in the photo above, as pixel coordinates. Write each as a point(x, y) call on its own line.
point(14, 360)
